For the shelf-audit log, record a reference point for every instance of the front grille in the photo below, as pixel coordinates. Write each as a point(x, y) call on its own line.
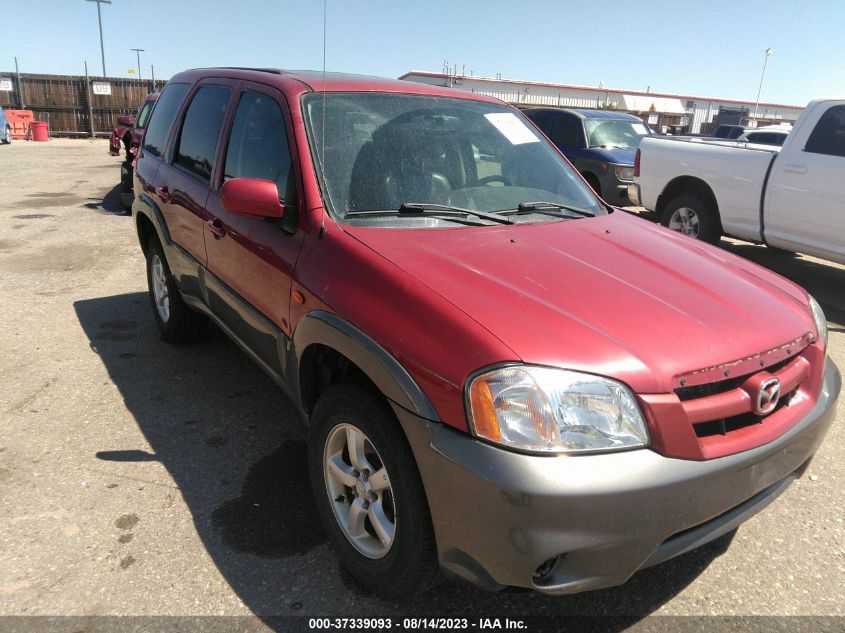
point(708, 389)
point(712, 412)
point(724, 426)
point(721, 386)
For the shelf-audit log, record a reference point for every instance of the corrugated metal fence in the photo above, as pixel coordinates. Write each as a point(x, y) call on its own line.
point(74, 105)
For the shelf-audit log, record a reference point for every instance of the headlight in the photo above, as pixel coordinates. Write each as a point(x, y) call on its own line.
point(819, 318)
point(625, 172)
point(554, 410)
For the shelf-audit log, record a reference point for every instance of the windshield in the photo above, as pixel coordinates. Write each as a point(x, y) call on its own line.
point(615, 133)
point(383, 150)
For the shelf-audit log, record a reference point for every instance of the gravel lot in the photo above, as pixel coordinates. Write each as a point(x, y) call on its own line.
point(145, 479)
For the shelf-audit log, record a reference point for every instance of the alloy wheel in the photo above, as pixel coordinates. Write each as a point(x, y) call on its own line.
point(160, 291)
point(684, 220)
point(359, 491)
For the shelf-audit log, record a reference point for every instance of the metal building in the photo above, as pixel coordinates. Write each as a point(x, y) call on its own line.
point(677, 114)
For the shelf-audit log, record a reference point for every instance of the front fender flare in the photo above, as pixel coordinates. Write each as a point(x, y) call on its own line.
point(325, 328)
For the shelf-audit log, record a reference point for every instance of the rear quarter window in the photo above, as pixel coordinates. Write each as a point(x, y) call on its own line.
point(162, 117)
point(828, 136)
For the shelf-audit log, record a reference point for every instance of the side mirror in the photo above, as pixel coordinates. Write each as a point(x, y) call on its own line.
point(252, 198)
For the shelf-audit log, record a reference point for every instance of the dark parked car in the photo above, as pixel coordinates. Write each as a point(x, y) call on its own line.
point(129, 134)
point(486, 355)
point(601, 144)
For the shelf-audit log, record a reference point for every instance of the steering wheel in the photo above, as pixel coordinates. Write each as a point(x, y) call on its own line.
point(494, 178)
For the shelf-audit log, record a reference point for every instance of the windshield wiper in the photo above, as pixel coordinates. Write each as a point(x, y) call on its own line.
point(427, 208)
point(540, 207)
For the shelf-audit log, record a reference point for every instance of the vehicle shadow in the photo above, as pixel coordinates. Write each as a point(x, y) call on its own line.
point(111, 203)
point(235, 447)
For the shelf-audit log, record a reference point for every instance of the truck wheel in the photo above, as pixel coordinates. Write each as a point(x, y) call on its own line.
point(369, 493)
point(175, 320)
point(8, 135)
point(691, 216)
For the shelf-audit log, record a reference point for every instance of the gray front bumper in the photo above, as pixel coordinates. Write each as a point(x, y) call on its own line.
point(498, 515)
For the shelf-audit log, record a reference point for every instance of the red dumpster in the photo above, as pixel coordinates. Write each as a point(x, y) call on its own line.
point(39, 130)
point(19, 121)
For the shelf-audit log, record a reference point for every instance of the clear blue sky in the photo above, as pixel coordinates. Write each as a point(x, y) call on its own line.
point(712, 48)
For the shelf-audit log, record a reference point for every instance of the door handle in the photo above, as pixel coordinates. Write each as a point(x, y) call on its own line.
point(215, 225)
point(795, 169)
point(163, 193)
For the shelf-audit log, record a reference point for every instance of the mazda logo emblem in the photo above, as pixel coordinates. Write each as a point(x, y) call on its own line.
point(767, 397)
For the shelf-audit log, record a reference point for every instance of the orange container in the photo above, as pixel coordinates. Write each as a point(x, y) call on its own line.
point(39, 130)
point(19, 121)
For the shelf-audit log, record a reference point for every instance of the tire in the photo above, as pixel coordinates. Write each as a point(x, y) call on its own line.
point(405, 563)
point(689, 215)
point(174, 319)
point(8, 139)
point(594, 183)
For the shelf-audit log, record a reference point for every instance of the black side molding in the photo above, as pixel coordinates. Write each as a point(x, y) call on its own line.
point(376, 362)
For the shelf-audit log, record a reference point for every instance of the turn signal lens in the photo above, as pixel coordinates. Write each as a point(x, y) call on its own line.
point(483, 414)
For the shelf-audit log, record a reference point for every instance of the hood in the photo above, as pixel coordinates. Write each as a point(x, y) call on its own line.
point(613, 295)
point(614, 155)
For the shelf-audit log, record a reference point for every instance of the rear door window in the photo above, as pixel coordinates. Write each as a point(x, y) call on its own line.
point(828, 136)
point(201, 129)
point(162, 120)
point(258, 145)
point(540, 119)
point(566, 130)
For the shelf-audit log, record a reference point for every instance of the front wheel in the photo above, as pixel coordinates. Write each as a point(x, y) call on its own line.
point(369, 493)
point(691, 216)
point(594, 183)
point(8, 136)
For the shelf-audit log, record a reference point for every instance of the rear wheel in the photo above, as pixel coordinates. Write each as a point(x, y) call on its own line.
point(175, 320)
point(369, 493)
point(691, 216)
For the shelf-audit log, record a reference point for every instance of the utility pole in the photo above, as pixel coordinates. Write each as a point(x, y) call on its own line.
point(20, 85)
point(138, 52)
point(100, 21)
point(88, 99)
point(767, 53)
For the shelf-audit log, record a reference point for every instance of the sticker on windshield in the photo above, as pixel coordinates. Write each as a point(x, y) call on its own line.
point(512, 128)
point(639, 128)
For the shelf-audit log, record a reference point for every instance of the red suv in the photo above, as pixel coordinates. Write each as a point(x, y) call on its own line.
point(502, 377)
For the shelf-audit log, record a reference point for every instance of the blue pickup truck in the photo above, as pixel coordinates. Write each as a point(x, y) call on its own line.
point(600, 143)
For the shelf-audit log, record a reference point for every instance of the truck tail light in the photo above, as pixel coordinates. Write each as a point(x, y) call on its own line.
point(637, 164)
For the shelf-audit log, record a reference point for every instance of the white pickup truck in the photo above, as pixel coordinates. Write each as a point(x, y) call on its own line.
point(786, 197)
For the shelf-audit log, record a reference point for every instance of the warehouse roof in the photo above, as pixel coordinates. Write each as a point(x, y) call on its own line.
point(428, 73)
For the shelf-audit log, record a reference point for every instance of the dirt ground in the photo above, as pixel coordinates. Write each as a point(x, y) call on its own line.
point(142, 478)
